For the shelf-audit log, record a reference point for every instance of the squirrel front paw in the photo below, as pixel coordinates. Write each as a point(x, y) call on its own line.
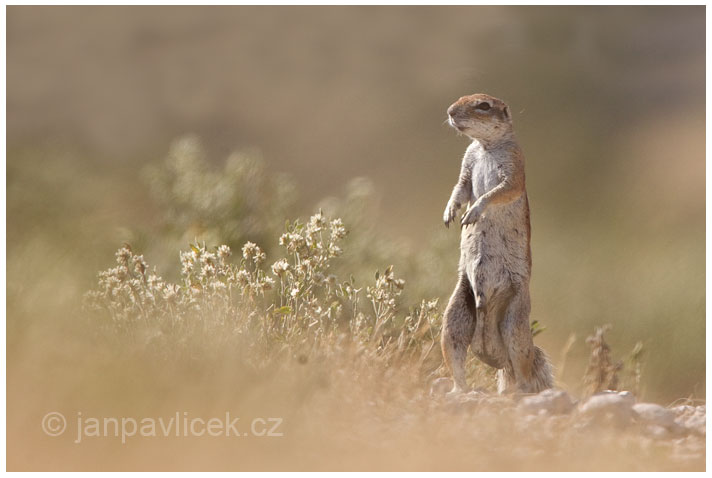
point(450, 213)
point(472, 215)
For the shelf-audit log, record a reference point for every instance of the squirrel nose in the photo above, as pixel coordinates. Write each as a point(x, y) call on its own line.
point(452, 110)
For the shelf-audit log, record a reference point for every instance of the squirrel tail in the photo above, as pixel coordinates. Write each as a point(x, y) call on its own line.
point(542, 377)
point(542, 371)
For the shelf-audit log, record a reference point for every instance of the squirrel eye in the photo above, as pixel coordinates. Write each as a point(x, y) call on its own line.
point(483, 106)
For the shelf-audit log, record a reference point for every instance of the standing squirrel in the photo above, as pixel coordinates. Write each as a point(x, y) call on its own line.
point(489, 309)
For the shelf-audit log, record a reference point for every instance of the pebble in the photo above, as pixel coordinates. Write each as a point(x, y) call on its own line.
point(616, 406)
point(654, 414)
point(553, 401)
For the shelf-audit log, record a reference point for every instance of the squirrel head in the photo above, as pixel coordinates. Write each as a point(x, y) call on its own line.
point(481, 117)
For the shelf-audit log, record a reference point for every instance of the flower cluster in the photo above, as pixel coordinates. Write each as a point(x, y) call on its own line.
point(308, 293)
point(383, 297)
point(131, 292)
point(295, 300)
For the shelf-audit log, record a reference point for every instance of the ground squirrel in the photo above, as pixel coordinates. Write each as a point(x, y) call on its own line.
point(489, 309)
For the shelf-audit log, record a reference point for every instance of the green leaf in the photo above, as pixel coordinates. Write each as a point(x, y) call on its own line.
point(284, 310)
point(536, 328)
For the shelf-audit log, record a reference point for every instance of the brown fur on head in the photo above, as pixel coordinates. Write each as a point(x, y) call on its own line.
point(481, 117)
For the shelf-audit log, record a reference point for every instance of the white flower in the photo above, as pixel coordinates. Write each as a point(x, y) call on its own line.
point(292, 241)
point(338, 231)
point(268, 283)
point(153, 280)
point(259, 257)
point(139, 265)
point(170, 291)
point(186, 257)
point(249, 250)
point(242, 277)
point(216, 285)
point(207, 257)
point(187, 268)
point(224, 252)
point(122, 272)
point(317, 222)
point(208, 270)
point(123, 255)
point(280, 267)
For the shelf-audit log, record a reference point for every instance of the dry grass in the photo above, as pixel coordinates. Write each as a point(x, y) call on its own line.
point(300, 327)
point(344, 368)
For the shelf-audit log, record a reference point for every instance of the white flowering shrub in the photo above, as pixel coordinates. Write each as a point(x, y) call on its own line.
point(297, 301)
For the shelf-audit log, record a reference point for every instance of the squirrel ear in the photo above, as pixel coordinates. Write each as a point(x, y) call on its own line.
point(506, 112)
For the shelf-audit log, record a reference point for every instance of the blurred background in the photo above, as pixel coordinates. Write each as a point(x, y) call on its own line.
point(608, 105)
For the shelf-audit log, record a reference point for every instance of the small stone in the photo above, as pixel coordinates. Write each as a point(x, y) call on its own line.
point(696, 421)
point(682, 410)
point(693, 423)
point(654, 414)
point(627, 395)
point(609, 405)
point(441, 386)
point(553, 401)
point(691, 419)
point(469, 402)
point(656, 431)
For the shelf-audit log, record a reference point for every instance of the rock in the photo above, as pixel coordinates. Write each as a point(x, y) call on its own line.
point(441, 386)
point(654, 414)
point(691, 419)
point(624, 394)
point(682, 410)
point(693, 423)
point(466, 402)
point(612, 406)
point(529, 422)
point(553, 401)
point(656, 431)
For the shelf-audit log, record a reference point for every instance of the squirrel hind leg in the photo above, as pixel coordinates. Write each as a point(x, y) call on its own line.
point(458, 328)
